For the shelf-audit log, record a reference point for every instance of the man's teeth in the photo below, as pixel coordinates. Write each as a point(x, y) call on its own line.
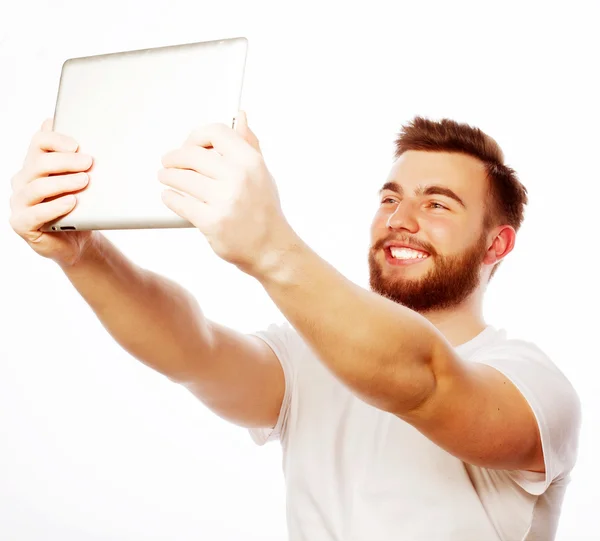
point(407, 253)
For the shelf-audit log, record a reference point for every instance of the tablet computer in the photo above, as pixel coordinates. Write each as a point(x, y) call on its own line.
point(127, 110)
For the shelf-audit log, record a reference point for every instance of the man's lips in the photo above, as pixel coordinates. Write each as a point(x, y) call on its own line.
point(403, 254)
point(393, 244)
point(400, 261)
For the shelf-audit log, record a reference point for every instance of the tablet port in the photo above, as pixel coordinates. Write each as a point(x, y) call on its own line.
point(67, 228)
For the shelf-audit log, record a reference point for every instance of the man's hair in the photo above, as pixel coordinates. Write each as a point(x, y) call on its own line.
point(507, 197)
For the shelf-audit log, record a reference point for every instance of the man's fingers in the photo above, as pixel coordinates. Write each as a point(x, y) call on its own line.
point(49, 141)
point(50, 163)
point(39, 189)
point(241, 127)
point(189, 208)
point(189, 182)
point(203, 161)
point(32, 218)
point(223, 139)
point(54, 163)
point(48, 124)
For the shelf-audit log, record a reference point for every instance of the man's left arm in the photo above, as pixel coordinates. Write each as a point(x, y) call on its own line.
point(396, 360)
point(386, 354)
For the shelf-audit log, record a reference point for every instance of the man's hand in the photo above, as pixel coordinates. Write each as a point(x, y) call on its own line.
point(228, 193)
point(45, 188)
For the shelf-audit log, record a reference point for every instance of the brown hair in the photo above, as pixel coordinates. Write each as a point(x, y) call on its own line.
point(507, 197)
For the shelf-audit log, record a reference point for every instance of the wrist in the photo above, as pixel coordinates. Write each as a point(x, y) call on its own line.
point(275, 261)
point(91, 250)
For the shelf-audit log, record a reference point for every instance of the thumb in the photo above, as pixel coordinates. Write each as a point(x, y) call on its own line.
point(241, 127)
point(47, 125)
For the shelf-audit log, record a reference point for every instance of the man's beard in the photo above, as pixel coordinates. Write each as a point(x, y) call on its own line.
point(451, 280)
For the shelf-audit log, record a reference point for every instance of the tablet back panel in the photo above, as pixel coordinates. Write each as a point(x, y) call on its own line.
point(127, 110)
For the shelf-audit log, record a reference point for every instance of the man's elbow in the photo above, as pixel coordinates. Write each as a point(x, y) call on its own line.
point(399, 391)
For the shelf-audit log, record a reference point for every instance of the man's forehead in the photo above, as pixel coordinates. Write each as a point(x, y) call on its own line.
point(453, 169)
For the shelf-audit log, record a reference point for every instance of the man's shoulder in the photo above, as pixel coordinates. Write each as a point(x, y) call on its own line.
point(280, 330)
point(284, 339)
point(500, 344)
point(529, 365)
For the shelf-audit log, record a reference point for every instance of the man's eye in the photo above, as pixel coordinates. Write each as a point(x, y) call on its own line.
point(437, 205)
point(388, 200)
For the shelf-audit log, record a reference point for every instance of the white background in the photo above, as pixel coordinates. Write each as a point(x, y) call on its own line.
point(93, 444)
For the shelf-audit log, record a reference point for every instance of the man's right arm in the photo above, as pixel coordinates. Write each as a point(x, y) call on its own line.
point(155, 320)
point(159, 323)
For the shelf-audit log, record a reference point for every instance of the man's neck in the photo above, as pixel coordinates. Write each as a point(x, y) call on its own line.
point(461, 323)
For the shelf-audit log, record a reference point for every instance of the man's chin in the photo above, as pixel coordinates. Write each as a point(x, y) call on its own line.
point(398, 277)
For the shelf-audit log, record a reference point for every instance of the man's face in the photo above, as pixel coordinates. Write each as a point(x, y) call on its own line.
point(433, 202)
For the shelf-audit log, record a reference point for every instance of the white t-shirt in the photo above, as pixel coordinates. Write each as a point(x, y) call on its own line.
point(356, 473)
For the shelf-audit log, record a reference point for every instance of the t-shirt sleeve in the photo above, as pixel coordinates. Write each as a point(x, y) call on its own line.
point(281, 339)
point(555, 405)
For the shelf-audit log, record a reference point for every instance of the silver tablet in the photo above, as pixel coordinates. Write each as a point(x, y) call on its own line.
point(127, 110)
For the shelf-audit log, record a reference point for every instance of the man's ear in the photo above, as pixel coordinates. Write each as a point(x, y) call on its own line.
point(503, 243)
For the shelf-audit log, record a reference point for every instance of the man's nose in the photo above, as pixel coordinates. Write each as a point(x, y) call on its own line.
point(404, 217)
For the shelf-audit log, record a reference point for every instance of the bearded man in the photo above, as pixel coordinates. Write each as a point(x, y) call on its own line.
point(402, 414)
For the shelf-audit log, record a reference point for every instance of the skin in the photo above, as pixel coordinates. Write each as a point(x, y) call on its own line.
point(154, 319)
point(391, 356)
point(450, 228)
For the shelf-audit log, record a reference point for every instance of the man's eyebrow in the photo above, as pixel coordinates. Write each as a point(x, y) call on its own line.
point(392, 187)
point(428, 190)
